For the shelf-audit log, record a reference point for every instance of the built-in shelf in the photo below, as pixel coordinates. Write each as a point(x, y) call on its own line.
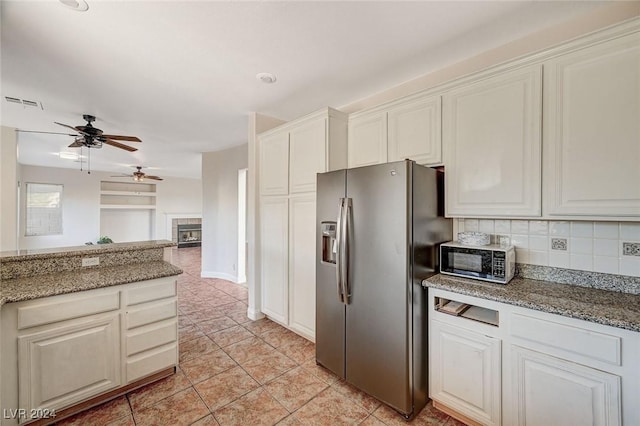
point(128, 206)
point(468, 311)
point(127, 195)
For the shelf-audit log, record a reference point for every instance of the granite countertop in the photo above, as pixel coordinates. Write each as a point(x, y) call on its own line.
point(605, 307)
point(19, 289)
point(91, 250)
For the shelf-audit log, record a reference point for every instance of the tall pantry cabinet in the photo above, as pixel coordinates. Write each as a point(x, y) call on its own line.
point(290, 156)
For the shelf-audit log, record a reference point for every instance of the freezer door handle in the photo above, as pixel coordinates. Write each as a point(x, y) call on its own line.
point(348, 227)
point(339, 264)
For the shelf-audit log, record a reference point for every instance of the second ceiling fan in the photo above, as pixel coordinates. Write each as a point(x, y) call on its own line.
point(139, 175)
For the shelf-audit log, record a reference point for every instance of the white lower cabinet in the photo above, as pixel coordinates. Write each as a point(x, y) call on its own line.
point(63, 350)
point(499, 364)
point(465, 371)
point(288, 261)
point(302, 265)
point(61, 365)
point(551, 391)
point(274, 257)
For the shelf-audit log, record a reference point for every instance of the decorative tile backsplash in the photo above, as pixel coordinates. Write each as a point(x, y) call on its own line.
point(631, 249)
point(609, 247)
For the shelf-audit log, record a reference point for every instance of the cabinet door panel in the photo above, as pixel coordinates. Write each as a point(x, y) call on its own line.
point(274, 164)
point(302, 265)
point(367, 140)
point(274, 262)
point(551, 391)
point(592, 136)
point(68, 364)
point(308, 145)
point(415, 131)
point(492, 146)
point(465, 372)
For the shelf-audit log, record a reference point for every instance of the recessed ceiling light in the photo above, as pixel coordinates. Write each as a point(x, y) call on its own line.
point(77, 5)
point(266, 77)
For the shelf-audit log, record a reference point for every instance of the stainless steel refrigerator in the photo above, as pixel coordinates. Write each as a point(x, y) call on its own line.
point(378, 232)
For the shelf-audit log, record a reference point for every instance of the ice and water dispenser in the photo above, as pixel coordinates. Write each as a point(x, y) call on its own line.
point(328, 242)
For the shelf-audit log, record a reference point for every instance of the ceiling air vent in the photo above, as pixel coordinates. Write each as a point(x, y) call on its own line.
point(25, 102)
point(30, 103)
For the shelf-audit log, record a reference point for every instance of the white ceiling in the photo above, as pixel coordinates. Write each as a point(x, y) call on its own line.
point(181, 74)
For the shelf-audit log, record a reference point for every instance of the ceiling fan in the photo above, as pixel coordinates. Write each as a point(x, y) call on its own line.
point(92, 137)
point(139, 175)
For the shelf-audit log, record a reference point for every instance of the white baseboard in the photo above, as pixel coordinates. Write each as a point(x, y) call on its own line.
point(254, 314)
point(221, 275)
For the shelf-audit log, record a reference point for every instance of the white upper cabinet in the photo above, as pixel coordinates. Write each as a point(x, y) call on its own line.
point(492, 146)
point(367, 139)
point(592, 131)
point(274, 164)
point(292, 154)
point(308, 155)
point(414, 131)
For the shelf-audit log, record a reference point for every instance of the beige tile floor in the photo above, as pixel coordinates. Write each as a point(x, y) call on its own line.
point(234, 371)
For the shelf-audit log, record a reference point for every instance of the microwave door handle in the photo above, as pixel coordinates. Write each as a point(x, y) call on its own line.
point(348, 229)
point(339, 250)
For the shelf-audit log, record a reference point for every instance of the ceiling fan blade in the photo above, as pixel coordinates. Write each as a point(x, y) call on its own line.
point(76, 144)
point(127, 176)
point(68, 127)
point(119, 145)
point(153, 177)
point(122, 138)
point(49, 133)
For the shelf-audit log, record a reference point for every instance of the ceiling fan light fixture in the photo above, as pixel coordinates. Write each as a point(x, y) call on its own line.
point(266, 77)
point(77, 5)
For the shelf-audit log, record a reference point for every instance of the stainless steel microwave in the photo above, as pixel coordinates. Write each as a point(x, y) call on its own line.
point(493, 263)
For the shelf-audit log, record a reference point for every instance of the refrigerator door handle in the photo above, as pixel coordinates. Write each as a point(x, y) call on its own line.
point(339, 264)
point(348, 227)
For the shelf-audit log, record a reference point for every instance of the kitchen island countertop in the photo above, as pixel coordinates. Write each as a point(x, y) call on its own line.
point(35, 274)
point(20, 289)
point(605, 307)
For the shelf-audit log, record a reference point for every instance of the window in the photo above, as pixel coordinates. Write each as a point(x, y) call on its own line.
point(44, 209)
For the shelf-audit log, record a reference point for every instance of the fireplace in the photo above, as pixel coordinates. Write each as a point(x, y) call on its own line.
point(189, 235)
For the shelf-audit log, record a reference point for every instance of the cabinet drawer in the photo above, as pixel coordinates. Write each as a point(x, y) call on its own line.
point(160, 289)
point(151, 312)
point(60, 308)
point(151, 361)
point(567, 339)
point(151, 336)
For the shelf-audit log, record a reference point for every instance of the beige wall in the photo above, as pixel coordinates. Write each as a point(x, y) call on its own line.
point(8, 189)
point(176, 196)
point(81, 214)
point(220, 211)
point(605, 16)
